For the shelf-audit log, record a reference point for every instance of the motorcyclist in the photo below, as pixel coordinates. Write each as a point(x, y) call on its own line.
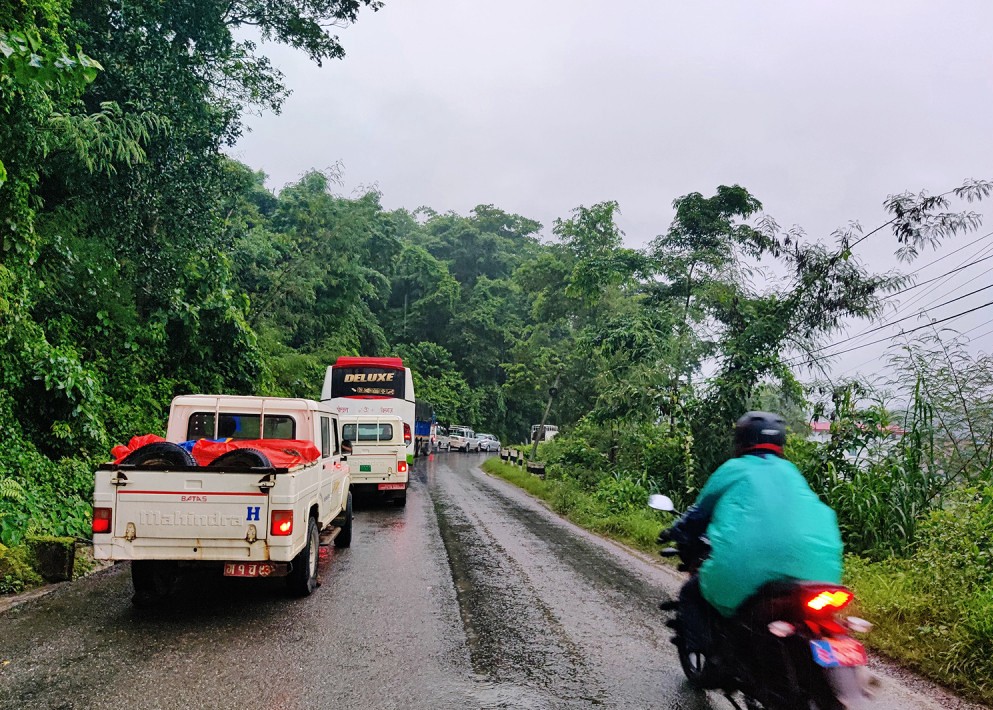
point(764, 524)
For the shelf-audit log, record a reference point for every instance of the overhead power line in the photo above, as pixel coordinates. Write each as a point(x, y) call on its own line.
point(947, 273)
point(976, 327)
point(903, 307)
point(951, 253)
point(983, 335)
point(800, 359)
point(899, 320)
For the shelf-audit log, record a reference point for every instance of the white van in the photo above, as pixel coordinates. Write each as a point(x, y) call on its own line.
point(549, 433)
point(462, 438)
point(378, 458)
point(443, 443)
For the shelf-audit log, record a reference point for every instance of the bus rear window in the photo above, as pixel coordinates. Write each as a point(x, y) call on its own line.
point(367, 432)
point(240, 426)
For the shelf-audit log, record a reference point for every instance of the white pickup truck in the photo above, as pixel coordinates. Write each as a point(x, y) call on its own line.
point(249, 485)
point(378, 462)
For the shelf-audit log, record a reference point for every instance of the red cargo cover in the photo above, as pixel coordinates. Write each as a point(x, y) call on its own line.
point(283, 453)
point(121, 452)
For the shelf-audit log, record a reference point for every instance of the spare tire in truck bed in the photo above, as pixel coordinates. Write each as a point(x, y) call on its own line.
point(160, 453)
point(242, 458)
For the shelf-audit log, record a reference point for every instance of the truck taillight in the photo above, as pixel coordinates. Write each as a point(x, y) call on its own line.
point(282, 523)
point(406, 434)
point(401, 467)
point(101, 520)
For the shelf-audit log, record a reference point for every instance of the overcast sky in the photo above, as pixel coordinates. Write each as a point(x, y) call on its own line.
point(820, 108)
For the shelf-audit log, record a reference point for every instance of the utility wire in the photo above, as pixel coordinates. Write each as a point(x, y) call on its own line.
point(964, 332)
point(951, 253)
point(898, 320)
point(947, 273)
point(883, 340)
point(903, 308)
point(932, 289)
point(983, 335)
point(883, 226)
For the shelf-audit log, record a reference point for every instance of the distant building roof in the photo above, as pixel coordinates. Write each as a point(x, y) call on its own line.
point(823, 427)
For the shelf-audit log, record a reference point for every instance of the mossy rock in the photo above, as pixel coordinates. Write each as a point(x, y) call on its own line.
point(16, 572)
point(53, 557)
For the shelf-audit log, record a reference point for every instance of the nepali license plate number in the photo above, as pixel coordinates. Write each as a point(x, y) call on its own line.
point(247, 569)
point(835, 653)
point(391, 486)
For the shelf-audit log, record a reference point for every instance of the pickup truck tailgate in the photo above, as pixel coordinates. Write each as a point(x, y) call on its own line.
point(369, 464)
point(191, 505)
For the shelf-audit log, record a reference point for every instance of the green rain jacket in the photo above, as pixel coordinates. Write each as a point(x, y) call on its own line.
point(765, 525)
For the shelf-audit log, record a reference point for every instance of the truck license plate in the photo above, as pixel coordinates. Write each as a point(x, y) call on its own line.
point(391, 486)
point(247, 569)
point(844, 652)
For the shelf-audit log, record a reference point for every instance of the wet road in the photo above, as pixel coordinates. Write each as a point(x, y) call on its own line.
point(474, 596)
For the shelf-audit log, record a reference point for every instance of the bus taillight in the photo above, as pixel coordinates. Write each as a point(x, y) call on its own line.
point(406, 434)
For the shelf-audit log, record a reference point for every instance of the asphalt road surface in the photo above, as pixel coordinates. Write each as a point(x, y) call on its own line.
point(473, 596)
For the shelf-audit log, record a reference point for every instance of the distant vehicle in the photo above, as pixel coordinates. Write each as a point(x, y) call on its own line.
point(425, 428)
point(378, 461)
point(443, 443)
point(462, 438)
point(487, 442)
point(550, 432)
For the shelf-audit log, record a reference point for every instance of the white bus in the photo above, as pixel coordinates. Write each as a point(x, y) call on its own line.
point(356, 386)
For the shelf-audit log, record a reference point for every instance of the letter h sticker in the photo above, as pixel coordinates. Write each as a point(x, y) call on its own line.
point(253, 512)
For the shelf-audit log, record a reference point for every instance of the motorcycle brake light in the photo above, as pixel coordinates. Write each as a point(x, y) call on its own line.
point(830, 600)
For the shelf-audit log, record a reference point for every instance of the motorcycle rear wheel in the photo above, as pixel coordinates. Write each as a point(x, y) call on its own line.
point(699, 669)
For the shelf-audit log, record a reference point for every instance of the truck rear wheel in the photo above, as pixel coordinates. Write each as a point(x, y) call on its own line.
point(302, 579)
point(344, 538)
point(153, 580)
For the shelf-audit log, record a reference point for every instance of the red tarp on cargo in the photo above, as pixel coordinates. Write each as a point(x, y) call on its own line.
point(121, 452)
point(283, 453)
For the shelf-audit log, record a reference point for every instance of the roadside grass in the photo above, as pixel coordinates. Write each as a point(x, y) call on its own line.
point(927, 613)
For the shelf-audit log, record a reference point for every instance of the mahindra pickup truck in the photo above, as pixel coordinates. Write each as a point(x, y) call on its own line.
point(249, 486)
point(378, 462)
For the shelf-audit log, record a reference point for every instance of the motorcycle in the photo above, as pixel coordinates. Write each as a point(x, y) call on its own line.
point(787, 648)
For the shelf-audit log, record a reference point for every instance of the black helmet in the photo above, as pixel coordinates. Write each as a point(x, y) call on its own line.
point(756, 432)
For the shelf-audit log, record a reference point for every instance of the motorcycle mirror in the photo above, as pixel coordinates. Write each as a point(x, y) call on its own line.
point(661, 502)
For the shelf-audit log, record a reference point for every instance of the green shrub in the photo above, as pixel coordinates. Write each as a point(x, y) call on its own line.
point(934, 609)
point(16, 572)
point(619, 494)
